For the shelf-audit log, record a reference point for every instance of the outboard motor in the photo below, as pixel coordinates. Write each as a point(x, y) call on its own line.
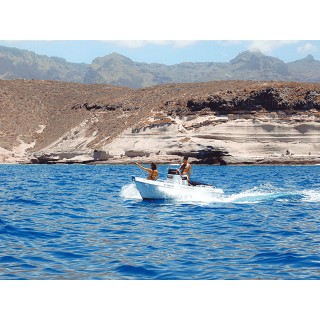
point(175, 177)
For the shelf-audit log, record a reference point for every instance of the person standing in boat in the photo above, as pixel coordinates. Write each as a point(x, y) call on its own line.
point(153, 172)
point(185, 168)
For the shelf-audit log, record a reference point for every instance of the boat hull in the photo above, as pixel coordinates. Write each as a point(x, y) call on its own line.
point(161, 190)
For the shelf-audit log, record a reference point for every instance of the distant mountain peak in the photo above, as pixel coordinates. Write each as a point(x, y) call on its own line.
point(117, 55)
point(112, 57)
point(247, 56)
point(309, 58)
point(255, 62)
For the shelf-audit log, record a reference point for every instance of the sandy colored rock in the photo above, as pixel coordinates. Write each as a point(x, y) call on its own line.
point(221, 122)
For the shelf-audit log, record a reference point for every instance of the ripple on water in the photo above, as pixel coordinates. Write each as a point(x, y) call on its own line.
point(89, 222)
point(134, 271)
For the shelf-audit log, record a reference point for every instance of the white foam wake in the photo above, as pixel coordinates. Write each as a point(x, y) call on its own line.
point(197, 195)
point(311, 195)
point(257, 194)
point(130, 191)
point(254, 195)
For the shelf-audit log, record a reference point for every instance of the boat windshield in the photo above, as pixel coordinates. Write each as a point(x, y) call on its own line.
point(173, 171)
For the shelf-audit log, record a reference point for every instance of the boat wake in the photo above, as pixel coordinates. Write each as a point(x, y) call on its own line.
point(258, 194)
point(130, 191)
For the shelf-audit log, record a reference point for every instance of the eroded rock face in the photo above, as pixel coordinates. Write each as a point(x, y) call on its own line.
point(270, 99)
point(219, 140)
point(222, 122)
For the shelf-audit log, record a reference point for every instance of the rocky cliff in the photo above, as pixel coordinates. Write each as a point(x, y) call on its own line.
point(220, 122)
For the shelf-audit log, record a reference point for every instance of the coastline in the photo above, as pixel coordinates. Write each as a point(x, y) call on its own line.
point(261, 162)
point(215, 123)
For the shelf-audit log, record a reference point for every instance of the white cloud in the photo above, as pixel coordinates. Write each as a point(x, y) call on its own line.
point(229, 43)
point(307, 48)
point(267, 46)
point(183, 43)
point(132, 44)
point(141, 43)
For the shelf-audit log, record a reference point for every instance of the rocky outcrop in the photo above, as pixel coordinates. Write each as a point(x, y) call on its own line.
point(269, 99)
point(221, 122)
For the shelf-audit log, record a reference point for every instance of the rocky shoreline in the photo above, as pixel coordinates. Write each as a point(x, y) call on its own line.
point(216, 123)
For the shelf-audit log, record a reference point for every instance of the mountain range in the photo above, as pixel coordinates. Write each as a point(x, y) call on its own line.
point(116, 69)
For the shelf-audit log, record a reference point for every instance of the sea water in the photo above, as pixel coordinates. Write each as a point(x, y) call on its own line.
point(89, 222)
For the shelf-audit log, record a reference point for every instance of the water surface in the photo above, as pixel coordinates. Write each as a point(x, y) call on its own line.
point(88, 222)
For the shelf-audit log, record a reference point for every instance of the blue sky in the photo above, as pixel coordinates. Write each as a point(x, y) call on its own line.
point(168, 52)
point(208, 31)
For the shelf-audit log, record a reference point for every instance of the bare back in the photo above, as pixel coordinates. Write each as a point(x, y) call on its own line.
point(153, 174)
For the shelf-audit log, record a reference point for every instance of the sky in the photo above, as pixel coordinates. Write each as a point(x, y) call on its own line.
point(167, 31)
point(168, 52)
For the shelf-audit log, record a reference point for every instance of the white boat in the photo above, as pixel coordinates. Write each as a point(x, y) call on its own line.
point(175, 186)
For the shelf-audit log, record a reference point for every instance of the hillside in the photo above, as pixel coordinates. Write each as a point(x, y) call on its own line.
point(220, 122)
point(118, 70)
point(307, 69)
point(23, 64)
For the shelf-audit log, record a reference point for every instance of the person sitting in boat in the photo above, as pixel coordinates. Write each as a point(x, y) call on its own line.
point(185, 168)
point(153, 172)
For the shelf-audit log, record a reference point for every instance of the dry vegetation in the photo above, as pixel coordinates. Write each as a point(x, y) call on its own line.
point(26, 106)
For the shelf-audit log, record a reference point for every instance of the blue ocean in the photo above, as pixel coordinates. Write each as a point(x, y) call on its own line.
point(89, 222)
